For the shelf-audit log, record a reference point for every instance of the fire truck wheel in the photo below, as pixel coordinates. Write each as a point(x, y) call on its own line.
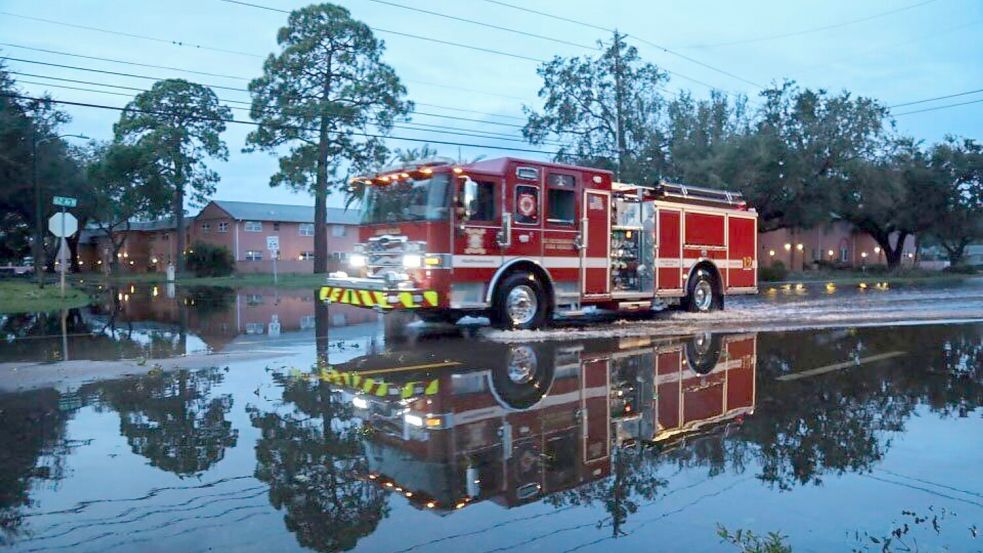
point(520, 303)
point(702, 295)
point(523, 380)
point(703, 352)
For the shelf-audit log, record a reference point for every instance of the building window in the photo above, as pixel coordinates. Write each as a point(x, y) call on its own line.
point(307, 322)
point(254, 255)
point(255, 328)
point(305, 229)
point(561, 206)
point(254, 299)
point(253, 226)
point(338, 231)
point(306, 256)
point(844, 254)
point(206, 227)
point(166, 236)
point(276, 226)
point(223, 227)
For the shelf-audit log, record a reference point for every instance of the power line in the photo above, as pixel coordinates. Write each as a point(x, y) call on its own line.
point(947, 106)
point(409, 125)
point(125, 62)
point(815, 29)
point(133, 35)
point(407, 35)
point(544, 14)
point(968, 92)
point(181, 43)
point(295, 127)
point(484, 24)
point(220, 87)
point(635, 37)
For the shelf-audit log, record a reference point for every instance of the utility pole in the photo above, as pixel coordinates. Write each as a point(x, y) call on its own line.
point(38, 214)
point(618, 103)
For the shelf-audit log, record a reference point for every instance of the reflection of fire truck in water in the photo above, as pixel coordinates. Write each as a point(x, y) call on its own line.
point(513, 423)
point(524, 241)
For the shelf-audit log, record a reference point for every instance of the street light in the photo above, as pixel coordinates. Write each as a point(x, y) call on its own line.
point(38, 212)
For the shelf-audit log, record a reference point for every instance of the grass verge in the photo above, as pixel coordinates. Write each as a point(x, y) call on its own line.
point(24, 297)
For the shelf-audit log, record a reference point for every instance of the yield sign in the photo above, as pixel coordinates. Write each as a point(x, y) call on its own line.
point(63, 225)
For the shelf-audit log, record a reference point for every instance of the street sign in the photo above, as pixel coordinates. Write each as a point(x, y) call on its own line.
point(64, 201)
point(63, 228)
point(273, 243)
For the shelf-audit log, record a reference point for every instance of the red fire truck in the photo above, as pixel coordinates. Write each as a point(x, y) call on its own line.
point(512, 423)
point(522, 241)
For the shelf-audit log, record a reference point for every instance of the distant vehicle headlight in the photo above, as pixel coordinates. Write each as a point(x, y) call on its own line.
point(356, 260)
point(412, 261)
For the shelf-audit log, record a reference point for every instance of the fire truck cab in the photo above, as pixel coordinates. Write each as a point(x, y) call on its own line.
point(523, 241)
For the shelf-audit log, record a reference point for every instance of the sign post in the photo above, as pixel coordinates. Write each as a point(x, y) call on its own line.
point(273, 245)
point(63, 225)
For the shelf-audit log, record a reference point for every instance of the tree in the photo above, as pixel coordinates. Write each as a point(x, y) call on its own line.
point(604, 110)
point(124, 185)
point(177, 124)
point(790, 166)
point(311, 455)
point(892, 197)
point(320, 97)
point(175, 420)
point(959, 164)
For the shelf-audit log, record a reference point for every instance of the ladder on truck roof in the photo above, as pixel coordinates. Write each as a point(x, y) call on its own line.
point(685, 192)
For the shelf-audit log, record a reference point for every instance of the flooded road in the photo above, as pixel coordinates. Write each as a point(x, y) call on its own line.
point(840, 438)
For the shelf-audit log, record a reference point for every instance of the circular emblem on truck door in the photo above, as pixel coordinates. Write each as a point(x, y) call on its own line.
point(527, 205)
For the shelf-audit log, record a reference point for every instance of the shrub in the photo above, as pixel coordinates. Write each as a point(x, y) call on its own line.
point(206, 260)
point(776, 272)
point(961, 269)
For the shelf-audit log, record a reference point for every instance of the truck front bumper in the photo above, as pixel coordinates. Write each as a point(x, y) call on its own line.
point(375, 293)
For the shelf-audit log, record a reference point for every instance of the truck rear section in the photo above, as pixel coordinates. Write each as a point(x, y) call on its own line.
point(523, 242)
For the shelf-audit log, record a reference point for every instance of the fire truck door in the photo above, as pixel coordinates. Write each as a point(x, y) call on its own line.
point(669, 252)
point(595, 231)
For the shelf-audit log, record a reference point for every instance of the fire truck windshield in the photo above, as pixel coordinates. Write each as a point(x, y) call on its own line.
point(407, 200)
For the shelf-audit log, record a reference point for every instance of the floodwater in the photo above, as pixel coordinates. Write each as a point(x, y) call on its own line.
point(845, 438)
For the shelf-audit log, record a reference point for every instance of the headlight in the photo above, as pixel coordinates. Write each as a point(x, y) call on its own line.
point(356, 260)
point(412, 261)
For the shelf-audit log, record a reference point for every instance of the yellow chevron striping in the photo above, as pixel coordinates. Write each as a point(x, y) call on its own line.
point(406, 298)
point(366, 297)
point(430, 297)
point(382, 390)
point(432, 387)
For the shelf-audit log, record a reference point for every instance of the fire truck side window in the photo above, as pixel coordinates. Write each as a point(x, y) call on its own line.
point(482, 208)
point(526, 205)
point(561, 206)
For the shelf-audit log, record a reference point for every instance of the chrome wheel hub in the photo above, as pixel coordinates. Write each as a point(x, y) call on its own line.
point(522, 365)
point(703, 295)
point(521, 305)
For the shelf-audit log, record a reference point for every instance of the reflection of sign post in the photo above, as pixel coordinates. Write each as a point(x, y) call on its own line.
point(273, 244)
point(63, 225)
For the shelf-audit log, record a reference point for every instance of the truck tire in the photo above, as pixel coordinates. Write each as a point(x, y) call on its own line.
point(520, 303)
point(703, 352)
point(523, 380)
point(701, 293)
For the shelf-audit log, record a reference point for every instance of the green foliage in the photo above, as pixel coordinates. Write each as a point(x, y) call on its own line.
point(581, 96)
point(315, 102)
point(207, 260)
point(176, 126)
point(959, 221)
point(748, 542)
point(776, 272)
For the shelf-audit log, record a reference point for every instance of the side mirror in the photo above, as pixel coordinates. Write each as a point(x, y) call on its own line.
point(470, 196)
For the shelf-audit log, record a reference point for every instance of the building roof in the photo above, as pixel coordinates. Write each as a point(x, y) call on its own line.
point(254, 211)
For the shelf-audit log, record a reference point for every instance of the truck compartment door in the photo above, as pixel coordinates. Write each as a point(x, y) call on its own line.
point(669, 261)
point(596, 239)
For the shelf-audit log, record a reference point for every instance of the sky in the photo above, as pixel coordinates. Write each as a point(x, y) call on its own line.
point(896, 51)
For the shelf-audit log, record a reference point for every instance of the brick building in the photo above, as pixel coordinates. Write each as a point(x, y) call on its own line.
point(240, 227)
point(838, 243)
